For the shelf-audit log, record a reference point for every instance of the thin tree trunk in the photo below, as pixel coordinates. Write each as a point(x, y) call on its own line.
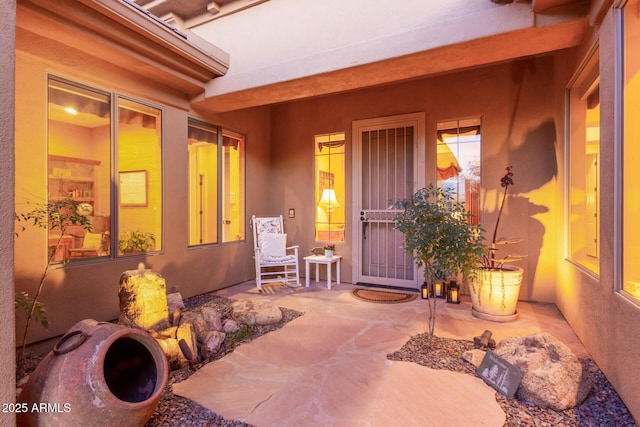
point(50, 257)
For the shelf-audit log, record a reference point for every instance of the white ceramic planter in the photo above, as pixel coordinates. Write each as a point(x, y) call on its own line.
point(328, 254)
point(495, 294)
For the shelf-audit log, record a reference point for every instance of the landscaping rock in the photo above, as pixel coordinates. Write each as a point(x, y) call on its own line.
point(212, 343)
point(174, 301)
point(474, 356)
point(186, 333)
point(212, 317)
point(199, 323)
point(230, 326)
point(143, 302)
point(553, 375)
point(261, 312)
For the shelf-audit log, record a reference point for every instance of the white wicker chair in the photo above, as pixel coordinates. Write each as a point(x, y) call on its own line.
point(275, 261)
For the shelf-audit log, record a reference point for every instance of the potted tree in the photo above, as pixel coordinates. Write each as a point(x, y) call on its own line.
point(496, 286)
point(442, 238)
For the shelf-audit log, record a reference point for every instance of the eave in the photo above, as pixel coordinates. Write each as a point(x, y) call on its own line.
point(120, 35)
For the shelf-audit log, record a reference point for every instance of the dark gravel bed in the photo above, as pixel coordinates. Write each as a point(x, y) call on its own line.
point(603, 407)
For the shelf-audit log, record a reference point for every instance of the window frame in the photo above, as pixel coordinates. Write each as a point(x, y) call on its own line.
point(620, 113)
point(221, 133)
point(339, 196)
point(114, 207)
point(589, 64)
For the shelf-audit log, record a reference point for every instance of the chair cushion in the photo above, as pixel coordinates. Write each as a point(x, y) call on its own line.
point(274, 245)
point(280, 260)
point(92, 241)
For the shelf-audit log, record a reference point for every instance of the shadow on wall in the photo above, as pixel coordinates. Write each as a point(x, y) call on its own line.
point(535, 165)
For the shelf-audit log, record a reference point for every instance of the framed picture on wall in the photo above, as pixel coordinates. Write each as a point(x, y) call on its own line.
point(133, 188)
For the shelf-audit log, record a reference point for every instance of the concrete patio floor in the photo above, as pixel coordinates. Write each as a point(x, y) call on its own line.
point(329, 366)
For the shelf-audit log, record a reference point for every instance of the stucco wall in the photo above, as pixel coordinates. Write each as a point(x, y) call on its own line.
point(89, 290)
point(518, 128)
point(604, 320)
point(7, 317)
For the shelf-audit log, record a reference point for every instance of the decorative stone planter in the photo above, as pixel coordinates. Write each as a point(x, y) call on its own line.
point(495, 294)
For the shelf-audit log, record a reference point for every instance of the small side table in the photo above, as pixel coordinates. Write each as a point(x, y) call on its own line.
point(321, 259)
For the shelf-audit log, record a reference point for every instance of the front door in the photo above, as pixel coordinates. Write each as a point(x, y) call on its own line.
point(388, 166)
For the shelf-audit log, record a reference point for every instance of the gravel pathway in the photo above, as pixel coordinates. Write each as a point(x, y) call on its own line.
point(603, 407)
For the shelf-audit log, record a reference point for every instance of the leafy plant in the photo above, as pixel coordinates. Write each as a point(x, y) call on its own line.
point(245, 331)
point(329, 247)
point(56, 215)
point(136, 241)
point(441, 236)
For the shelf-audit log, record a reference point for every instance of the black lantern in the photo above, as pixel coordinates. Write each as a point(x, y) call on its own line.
point(453, 293)
point(424, 291)
point(439, 290)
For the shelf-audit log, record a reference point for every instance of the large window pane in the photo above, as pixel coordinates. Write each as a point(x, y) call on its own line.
point(233, 186)
point(458, 161)
point(78, 167)
point(631, 151)
point(330, 187)
point(584, 168)
point(140, 177)
point(203, 183)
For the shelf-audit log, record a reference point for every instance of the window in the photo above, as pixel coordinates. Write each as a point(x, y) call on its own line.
point(140, 177)
point(203, 183)
point(630, 151)
point(584, 166)
point(458, 161)
point(80, 168)
point(216, 184)
point(233, 186)
point(330, 187)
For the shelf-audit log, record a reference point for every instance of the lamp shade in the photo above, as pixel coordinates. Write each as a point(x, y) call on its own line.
point(328, 199)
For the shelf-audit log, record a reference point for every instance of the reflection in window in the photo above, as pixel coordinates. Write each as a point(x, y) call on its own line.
point(203, 183)
point(458, 161)
point(233, 186)
point(330, 186)
point(584, 168)
point(631, 151)
point(140, 177)
point(78, 168)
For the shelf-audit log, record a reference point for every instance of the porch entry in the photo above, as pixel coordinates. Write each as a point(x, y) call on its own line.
point(388, 165)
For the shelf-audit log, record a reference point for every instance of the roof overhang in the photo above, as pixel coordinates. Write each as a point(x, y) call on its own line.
point(118, 34)
point(525, 34)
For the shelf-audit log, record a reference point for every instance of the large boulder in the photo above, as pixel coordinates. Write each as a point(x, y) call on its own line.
point(260, 312)
point(553, 375)
point(143, 300)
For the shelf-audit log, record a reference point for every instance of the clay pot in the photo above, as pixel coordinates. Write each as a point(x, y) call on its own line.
point(97, 374)
point(494, 296)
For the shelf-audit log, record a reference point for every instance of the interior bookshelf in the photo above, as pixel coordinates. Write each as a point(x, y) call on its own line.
point(71, 177)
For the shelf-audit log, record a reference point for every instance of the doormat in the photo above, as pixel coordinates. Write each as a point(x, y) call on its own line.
point(382, 297)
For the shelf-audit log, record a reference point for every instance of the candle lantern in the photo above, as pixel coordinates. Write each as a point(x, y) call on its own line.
point(453, 293)
point(424, 291)
point(439, 290)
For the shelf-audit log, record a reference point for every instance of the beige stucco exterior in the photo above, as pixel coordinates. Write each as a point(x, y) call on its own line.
point(506, 64)
point(7, 317)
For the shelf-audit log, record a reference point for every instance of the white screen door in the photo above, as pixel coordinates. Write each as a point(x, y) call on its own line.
point(388, 166)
